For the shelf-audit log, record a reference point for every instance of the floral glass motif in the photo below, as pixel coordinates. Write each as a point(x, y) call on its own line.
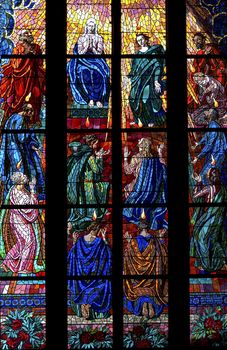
point(207, 99)
point(208, 312)
point(142, 17)
point(23, 314)
point(144, 97)
point(206, 27)
point(22, 19)
point(145, 313)
point(81, 14)
point(207, 165)
point(90, 314)
point(89, 103)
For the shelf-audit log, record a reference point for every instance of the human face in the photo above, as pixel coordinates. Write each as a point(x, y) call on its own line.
point(27, 36)
point(199, 42)
point(90, 28)
point(141, 40)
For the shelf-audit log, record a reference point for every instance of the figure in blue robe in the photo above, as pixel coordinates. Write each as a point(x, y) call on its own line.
point(19, 152)
point(90, 256)
point(89, 79)
point(148, 187)
point(214, 152)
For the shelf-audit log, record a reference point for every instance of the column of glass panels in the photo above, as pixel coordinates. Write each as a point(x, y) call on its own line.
point(207, 142)
point(144, 174)
point(89, 173)
point(22, 175)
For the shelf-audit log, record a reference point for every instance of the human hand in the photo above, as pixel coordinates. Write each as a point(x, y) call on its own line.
point(157, 87)
point(32, 184)
point(126, 152)
point(194, 160)
point(194, 147)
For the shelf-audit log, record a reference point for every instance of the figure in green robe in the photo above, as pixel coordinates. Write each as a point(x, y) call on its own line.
point(85, 185)
point(209, 240)
point(147, 84)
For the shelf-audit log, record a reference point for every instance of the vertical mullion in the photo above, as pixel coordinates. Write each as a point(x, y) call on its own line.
point(177, 175)
point(56, 178)
point(117, 286)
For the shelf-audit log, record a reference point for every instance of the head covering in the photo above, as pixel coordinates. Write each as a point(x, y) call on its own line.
point(74, 144)
point(93, 21)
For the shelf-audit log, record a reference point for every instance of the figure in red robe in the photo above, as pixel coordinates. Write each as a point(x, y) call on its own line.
point(23, 79)
point(211, 66)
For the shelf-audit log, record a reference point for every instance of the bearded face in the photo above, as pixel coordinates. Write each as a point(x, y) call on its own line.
point(26, 37)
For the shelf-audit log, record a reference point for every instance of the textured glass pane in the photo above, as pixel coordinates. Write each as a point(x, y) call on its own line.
point(89, 241)
point(19, 19)
point(22, 94)
point(142, 17)
point(206, 27)
point(145, 239)
point(89, 169)
point(22, 169)
point(144, 168)
point(207, 99)
point(88, 26)
point(90, 314)
point(22, 242)
point(89, 94)
point(23, 314)
point(208, 312)
point(145, 313)
point(144, 100)
point(207, 165)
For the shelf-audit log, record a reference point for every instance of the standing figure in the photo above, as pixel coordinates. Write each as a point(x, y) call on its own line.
point(89, 77)
point(145, 255)
point(147, 85)
point(21, 151)
point(23, 79)
point(85, 185)
point(148, 187)
point(22, 230)
point(90, 255)
point(209, 237)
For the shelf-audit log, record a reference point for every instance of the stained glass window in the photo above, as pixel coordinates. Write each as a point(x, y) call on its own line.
point(23, 174)
point(206, 110)
point(113, 174)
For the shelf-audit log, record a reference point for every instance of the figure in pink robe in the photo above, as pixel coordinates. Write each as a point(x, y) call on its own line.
point(23, 230)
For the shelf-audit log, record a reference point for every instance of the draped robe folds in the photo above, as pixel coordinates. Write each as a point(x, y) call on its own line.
point(22, 234)
point(17, 154)
point(145, 256)
point(149, 187)
point(85, 186)
point(89, 79)
point(21, 77)
point(209, 237)
point(214, 148)
point(145, 102)
point(90, 259)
